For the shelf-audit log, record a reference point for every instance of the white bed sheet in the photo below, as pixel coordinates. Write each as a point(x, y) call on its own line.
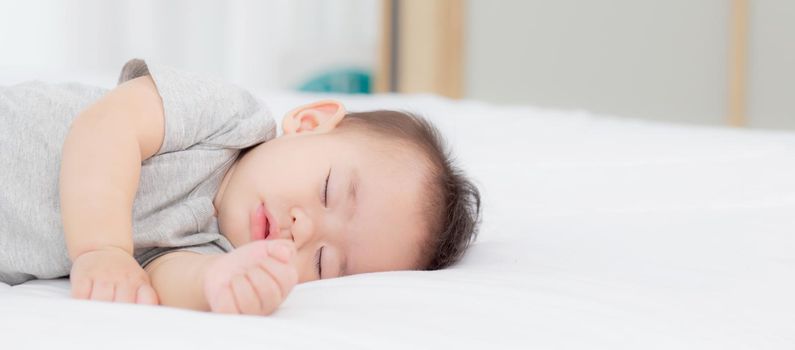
point(598, 233)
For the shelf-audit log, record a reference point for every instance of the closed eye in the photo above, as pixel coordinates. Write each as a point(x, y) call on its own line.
point(325, 189)
point(318, 258)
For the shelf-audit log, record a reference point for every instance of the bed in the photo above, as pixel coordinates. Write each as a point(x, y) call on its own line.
point(598, 232)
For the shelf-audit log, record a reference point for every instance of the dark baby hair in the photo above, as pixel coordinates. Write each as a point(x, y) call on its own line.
point(452, 201)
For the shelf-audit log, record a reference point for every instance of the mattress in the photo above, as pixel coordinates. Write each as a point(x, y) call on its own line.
point(598, 232)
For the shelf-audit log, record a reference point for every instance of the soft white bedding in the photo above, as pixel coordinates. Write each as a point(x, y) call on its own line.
point(598, 233)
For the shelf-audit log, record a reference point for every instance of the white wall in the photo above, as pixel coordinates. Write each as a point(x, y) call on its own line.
point(664, 60)
point(268, 44)
point(771, 64)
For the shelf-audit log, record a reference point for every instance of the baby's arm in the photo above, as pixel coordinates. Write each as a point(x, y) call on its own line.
point(100, 169)
point(253, 279)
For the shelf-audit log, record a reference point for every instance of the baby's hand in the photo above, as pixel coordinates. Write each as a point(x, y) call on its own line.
point(253, 279)
point(111, 274)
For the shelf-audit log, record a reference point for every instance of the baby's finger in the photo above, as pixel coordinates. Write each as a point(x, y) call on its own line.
point(247, 299)
point(267, 289)
point(224, 302)
point(146, 295)
point(81, 288)
point(285, 275)
point(125, 293)
point(282, 250)
point(102, 290)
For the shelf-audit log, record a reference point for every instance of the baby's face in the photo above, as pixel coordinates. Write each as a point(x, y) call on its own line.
point(368, 219)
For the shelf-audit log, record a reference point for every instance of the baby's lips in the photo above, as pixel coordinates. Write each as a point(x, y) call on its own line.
point(281, 249)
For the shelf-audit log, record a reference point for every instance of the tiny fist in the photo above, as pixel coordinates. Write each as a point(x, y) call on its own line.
point(147, 295)
point(281, 250)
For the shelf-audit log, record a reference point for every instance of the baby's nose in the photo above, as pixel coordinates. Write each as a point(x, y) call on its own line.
point(302, 229)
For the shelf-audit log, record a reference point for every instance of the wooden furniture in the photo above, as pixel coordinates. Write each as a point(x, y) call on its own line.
point(422, 47)
point(422, 50)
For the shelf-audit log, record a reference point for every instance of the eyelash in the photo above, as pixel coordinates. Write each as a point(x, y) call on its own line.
point(317, 262)
point(325, 190)
point(320, 251)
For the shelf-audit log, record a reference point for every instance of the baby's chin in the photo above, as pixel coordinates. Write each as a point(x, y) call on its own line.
point(237, 237)
point(236, 240)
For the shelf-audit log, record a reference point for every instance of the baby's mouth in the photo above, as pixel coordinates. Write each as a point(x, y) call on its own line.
point(267, 228)
point(268, 224)
point(260, 223)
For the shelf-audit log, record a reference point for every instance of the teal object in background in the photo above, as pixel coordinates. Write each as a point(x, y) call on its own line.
point(349, 81)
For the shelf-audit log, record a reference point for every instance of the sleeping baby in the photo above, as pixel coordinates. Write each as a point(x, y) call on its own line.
point(173, 189)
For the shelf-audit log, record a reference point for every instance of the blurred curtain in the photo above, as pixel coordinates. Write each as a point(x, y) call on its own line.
point(269, 44)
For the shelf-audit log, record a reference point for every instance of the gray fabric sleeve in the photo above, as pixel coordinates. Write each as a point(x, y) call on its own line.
point(199, 110)
point(206, 249)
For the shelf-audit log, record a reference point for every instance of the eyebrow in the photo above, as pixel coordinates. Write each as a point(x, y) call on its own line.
point(353, 187)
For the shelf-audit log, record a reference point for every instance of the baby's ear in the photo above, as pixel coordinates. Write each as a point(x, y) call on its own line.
point(318, 117)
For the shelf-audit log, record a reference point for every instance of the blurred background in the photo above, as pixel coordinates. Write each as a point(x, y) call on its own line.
point(711, 62)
